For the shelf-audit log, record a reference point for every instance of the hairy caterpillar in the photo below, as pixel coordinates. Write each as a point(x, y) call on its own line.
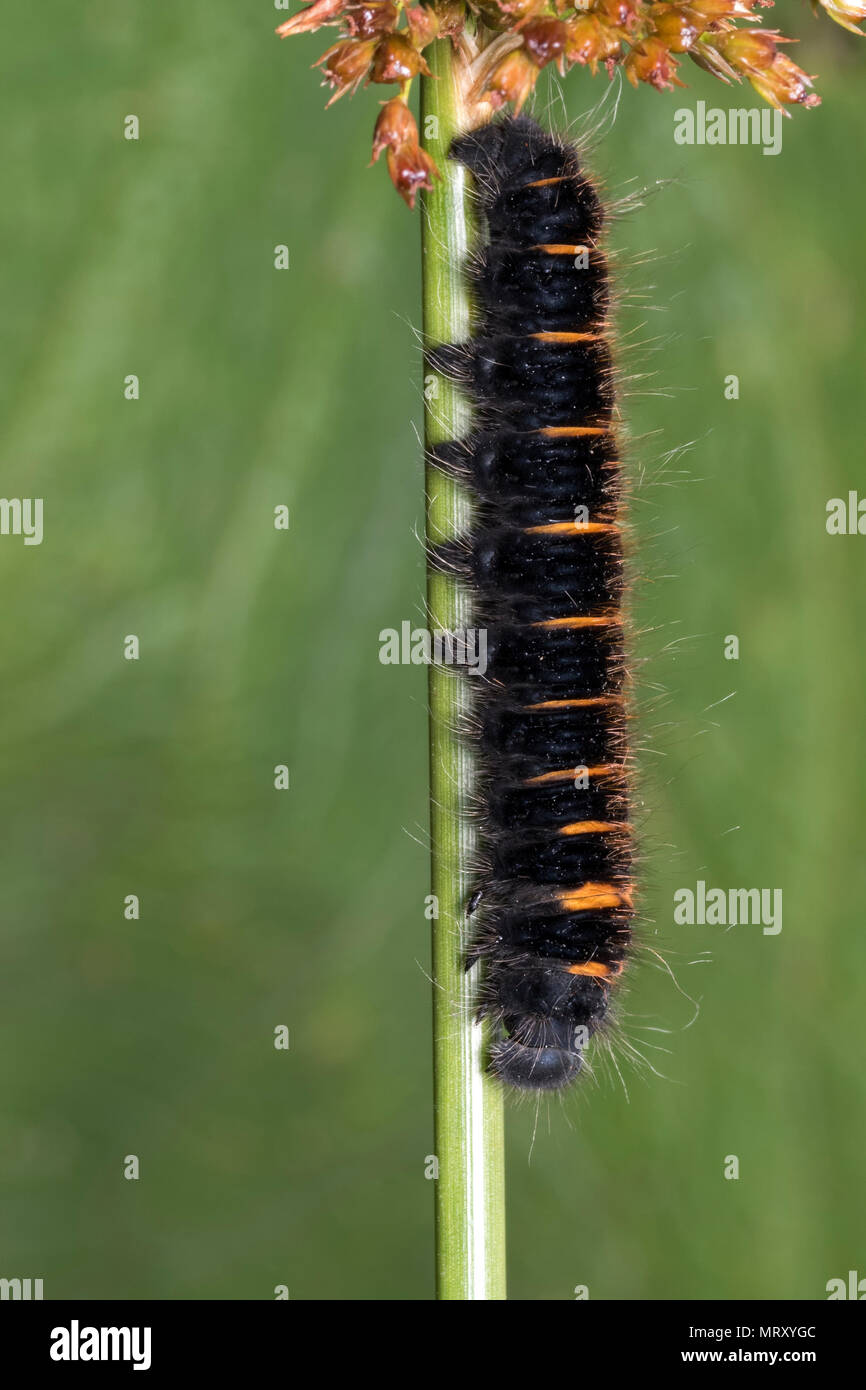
point(545, 562)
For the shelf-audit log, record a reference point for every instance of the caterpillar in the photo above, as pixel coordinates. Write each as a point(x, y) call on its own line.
point(545, 562)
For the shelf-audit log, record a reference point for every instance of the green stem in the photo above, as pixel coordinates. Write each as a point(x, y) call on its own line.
point(470, 1191)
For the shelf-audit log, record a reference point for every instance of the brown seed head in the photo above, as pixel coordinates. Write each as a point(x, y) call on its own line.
point(395, 126)
point(345, 65)
point(591, 41)
point(423, 25)
point(677, 26)
point(755, 55)
point(544, 40)
point(374, 17)
point(652, 62)
point(396, 60)
point(411, 169)
point(313, 17)
point(512, 79)
point(619, 14)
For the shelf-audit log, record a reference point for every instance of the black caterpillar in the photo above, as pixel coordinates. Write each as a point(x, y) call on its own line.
point(545, 560)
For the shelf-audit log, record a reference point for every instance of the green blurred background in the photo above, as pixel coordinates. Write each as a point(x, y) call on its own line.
point(305, 908)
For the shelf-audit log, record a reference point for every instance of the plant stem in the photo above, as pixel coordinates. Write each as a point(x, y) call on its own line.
point(469, 1133)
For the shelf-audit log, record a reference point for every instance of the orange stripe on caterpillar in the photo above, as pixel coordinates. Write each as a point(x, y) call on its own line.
point(595, 968)
point(582, 620)
point(559, 248)
point(592, 897)
point(545, 183)
point(593, 827)
point(568, 774)
point(552, 337)
point(589, 702)
point(572, 431)
point(562, 528)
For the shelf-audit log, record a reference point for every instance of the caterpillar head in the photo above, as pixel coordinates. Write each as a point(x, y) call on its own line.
point(547, 1017)
point(530, 1068)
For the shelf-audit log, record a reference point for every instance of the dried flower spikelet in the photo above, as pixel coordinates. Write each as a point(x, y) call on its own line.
point(619, 14)
point(545, 40)
point(397, 60)
point(409, 166)
point(709, 58)
point(848, 13)
point(678, 27)
point(423, 25)
point(345, 65)
point(755, 54)
point(653, 62)
point(411, 169)
point(512, 79)
point(395, 126)
point(369, 20)
point(591, 41)
point(313, 17)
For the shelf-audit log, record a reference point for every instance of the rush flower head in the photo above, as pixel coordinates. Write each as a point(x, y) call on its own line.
point(677, 26)
point(591, 41)
point(374, 17)
point(313, 17)
point(509, 42)
point(345, 65)
point(512, 79)
point(395, 126)
point(652, 61)
point(410, 167)
point(619, 14)
point(397, 60)
point(755, 54)
point(544, 40)
point(423, 25)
